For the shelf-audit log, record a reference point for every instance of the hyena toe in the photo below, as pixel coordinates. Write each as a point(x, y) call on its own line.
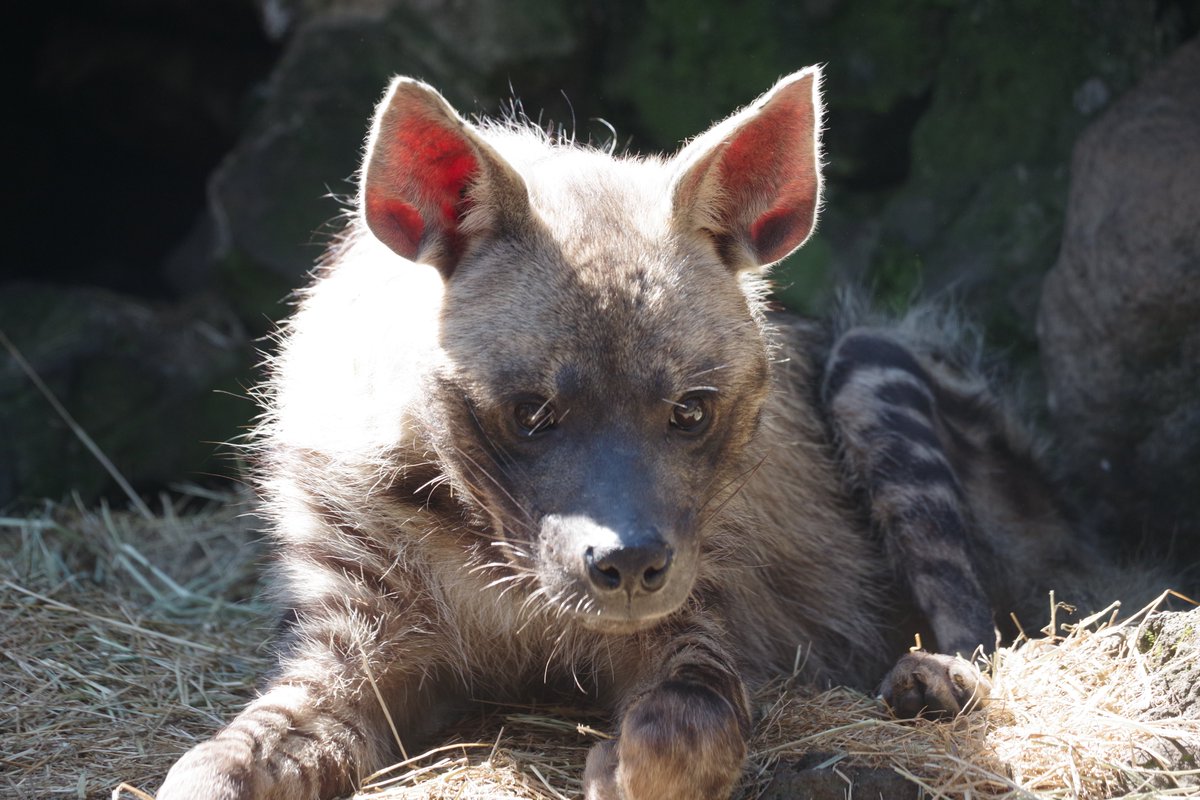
point(679, 741)
point(213, 770)
point(600, 774)
point(934, 686)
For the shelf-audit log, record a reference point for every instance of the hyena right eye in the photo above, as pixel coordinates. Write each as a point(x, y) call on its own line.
point(534, 416)
point(691, 413)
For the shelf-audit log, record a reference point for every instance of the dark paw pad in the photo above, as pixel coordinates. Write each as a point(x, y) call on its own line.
point(934, 686)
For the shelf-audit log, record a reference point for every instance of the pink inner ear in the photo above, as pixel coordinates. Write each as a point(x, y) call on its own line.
point(418, 193)
point(772, 161)
point(782, 229)
point(440, 162)
point(397, 223)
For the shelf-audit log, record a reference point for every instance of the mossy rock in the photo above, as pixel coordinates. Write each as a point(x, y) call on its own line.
point(156, 388)
point(982, 210)
point(276, 199)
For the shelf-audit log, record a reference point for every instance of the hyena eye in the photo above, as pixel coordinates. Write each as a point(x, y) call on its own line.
point(534, 416)
point(690, 413)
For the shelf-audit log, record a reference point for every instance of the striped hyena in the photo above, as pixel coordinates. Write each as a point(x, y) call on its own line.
point(532, 432)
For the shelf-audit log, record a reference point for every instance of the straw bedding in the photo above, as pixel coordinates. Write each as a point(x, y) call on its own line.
point(125, 637)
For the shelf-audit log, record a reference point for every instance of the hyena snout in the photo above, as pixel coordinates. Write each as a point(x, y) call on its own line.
point(640, 567)
point(616, 577)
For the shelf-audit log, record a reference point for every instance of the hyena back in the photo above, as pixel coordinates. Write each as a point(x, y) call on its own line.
point(532, 433)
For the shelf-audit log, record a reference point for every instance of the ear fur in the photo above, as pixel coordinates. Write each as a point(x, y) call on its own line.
point(753, 182)
point(430, 183)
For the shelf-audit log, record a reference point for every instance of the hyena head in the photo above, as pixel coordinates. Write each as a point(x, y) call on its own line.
point(602, 360)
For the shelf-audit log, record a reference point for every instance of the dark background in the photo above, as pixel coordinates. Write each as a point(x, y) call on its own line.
point(173, 168)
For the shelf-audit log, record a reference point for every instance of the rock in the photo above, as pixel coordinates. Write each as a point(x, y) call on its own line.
point(142, 381)
point(1119, 322)
point(120, 111)
point(1170, 643)
point(981, 211)
point(273, 201)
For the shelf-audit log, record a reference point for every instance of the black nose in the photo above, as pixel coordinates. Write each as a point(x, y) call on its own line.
point(638, 568)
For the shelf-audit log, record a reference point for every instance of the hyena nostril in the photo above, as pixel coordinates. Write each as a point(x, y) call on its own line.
point(655, 575)
point(601, 573)
point(641, 568)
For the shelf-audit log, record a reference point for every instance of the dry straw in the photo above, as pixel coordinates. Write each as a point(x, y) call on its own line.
point(126, 639)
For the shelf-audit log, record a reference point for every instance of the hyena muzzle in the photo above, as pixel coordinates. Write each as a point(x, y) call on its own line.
point(532, 433)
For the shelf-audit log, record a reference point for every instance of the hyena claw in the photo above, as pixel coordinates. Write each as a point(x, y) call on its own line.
point(934, 686)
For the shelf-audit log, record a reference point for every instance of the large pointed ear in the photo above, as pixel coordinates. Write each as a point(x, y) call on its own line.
point(753, 182)
point(430, 183)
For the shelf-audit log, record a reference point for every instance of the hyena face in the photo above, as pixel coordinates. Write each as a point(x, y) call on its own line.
point(601, 418)
point(596, 428)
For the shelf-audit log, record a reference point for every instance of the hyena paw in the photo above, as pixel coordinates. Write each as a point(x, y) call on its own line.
point(213, 770)
point(934, 686)
point(600, 774)
point(678, 741)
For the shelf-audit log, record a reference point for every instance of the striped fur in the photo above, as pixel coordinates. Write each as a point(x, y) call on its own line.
point(897, 426)
point(532, 434)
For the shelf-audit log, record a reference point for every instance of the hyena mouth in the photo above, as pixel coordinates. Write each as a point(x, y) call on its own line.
point(610, 580)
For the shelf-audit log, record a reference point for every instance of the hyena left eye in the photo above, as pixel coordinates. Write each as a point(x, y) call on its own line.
point(690, 414)
point(535, 416)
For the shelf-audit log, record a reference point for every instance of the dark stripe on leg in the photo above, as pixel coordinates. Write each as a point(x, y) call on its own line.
point(894, 423)
point(906, 467)
point(904, 394)
point(864, 350)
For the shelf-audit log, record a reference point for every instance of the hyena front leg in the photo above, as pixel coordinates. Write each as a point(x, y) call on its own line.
point(884, 406)
point(319, 727)
point(683, 736)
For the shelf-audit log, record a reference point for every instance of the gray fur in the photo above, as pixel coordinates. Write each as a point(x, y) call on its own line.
point(533, 433)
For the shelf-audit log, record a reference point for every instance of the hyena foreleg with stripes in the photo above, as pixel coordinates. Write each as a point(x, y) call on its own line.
point(320, 727)
point(912, 427)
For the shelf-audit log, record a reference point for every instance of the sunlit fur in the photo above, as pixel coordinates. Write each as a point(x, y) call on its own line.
point(409, 517)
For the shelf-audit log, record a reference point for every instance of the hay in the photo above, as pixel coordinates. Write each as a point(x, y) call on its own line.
point(125, 640)
point(1068, 717)
point(121, 643)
